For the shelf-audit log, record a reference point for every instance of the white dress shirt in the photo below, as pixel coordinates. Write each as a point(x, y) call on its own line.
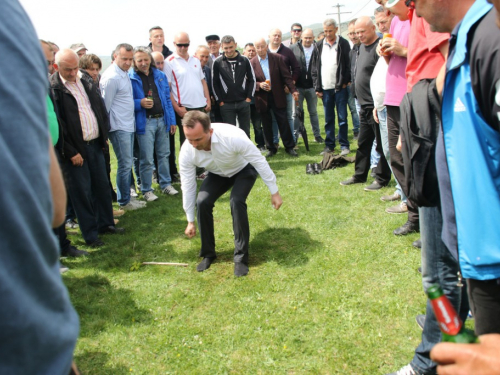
point(231, 151)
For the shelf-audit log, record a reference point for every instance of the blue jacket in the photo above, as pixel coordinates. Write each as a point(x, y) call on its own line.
point(161, 82)
point(471, 144)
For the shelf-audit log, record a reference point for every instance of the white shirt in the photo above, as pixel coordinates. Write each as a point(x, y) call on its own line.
point(185, 78)
point(308, 51)
point(231, 151)
point(116, 90)
point(329, 64)
point(377, 83)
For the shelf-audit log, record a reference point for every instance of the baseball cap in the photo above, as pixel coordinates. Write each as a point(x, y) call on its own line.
point(391, 3)
point(78, 47)
point(208, 38)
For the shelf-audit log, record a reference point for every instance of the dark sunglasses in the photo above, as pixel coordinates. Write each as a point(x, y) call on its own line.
point(180, 45)
point(297, 30)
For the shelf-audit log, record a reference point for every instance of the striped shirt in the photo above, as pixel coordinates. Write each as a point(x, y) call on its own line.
point(90, 128)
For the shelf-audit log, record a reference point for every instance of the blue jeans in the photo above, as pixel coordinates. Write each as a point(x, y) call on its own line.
point(154, 138)
point(438, 267)
point(123, 145)
point(332, 100)
point(289, 115)
point(351, 101)
point(312, 104)
point(382, 120)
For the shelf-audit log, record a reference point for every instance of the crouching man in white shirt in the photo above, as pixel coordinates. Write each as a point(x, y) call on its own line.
point(232, 161)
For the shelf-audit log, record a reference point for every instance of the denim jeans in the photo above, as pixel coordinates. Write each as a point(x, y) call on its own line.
point(438, 267)
point(332, 100)
point(154, 138)
point(289, 114)
point(312, 104)
point(384, 136)
point(123, 145)
point(241, 109)
point(351, 101)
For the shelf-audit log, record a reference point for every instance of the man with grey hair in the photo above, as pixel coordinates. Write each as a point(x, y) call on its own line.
point(233, 83)
point(159, 60)
point(116, 91)
point(331, 73)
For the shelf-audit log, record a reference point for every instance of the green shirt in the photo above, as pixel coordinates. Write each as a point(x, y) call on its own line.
point(53, 124)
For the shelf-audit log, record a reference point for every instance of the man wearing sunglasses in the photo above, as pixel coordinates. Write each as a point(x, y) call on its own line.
point(188, 87)
point(296, 32)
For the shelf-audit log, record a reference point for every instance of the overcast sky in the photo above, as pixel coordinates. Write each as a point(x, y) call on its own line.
point(102, 24)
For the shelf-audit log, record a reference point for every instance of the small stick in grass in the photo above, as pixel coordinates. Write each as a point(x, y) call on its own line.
point(167, 264)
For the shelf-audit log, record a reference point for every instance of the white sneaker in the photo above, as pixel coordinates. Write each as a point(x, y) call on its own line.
point(133, 193)
point(170, 190)
point(150, 196)
point(133, 205)
point(344, 152)
point(407, 370)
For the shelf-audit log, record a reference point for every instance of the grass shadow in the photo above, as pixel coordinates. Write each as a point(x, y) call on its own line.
point(288, 247)
point(97, 363)
point(100, 305)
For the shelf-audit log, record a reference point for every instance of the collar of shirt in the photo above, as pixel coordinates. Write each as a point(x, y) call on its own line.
point(261, 59)
point(328, 44)
point(65, 82)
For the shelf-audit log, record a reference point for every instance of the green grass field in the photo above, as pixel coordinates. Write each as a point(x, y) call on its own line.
point(330, 291)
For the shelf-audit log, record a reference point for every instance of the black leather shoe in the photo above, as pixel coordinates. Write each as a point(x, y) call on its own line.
point(407, 228)
point(374, 186)
point(309, 169)
point(111, 230)
point(270, 154)
point(417, 243)
point(240, 269)
point(317, 168)
point(350, 181)
point(74, 252)
point(96, 243)
point(204, 264)
point(292, 152)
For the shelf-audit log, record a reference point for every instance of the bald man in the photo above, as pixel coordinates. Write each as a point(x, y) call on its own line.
point(368, 128)
point(83, 120)
point(159, 60)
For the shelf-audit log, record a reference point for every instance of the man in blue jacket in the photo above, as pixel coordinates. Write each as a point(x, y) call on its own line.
point(154, 122)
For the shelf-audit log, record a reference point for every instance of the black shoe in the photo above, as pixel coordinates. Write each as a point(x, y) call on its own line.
point(111, 230)
point(309, 169)
point(372, 173)
point(96, 243)
point(317, 168)
point(176, 180)
point(407, 228)
point(319, 139)
point(292, 152)
point(240, 269)
point(417, 243)
point(74, 252)
point(270, 154)
point(204, 264)
point(420, 320)
point(355, 135)
point(350, 181)
point(374, 186)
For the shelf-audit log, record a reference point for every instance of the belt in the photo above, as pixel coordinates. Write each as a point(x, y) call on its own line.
point(92, 141)
point(156, 116)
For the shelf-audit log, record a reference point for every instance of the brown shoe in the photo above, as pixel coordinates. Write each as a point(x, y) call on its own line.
point(401, 208)
point(391, 198)
point(117, 213)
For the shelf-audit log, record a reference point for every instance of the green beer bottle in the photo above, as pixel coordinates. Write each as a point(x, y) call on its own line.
point(452, 328)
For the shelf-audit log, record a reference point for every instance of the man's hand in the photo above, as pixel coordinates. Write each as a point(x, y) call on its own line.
point(221, 104)
point(276, 200)
point(265, 86)
point(77, 160)
point(287, 91)
point(248, 100)
point(173, 129)
point(392, 45)
point(147, 103)
point(208, 107)
point(181, 111)
point(399, 145)
point(190, 230)
point(319, 94)
point(375, 115)
point(465, 359)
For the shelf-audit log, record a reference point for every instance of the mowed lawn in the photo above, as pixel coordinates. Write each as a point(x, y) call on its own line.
point(330, 291)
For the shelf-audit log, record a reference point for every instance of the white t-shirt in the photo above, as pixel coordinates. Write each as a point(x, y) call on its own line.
point(185, 79)
point(308, 51)
point(329, 64)
point(377, 83)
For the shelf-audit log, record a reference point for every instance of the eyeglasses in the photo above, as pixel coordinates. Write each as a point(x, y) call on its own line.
point(180, 45)
point(297, 30)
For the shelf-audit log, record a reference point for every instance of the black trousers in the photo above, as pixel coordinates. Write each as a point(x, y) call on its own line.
point(369, 130)
point(212, 188)
point(393, 130)
point(257, 126)
point(484, 300)
point(89, 190)
point(283, 125)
